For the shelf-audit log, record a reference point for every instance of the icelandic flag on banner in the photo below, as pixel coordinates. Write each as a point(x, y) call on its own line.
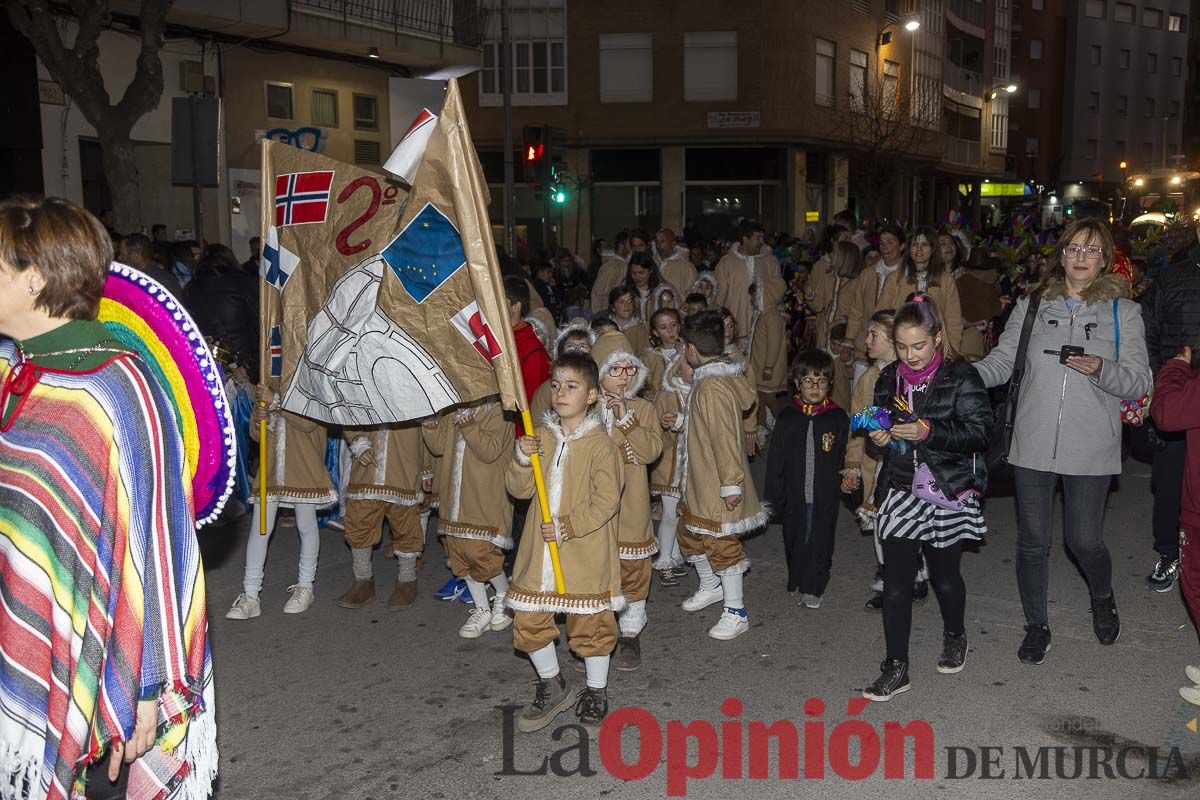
point(406, 158)
point(278, 263)
point(302, 198)
point(276, 351)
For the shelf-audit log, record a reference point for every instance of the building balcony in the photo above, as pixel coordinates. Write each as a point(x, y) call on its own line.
point(963, 81)
point(968, 16)
point(965, 152)
point(459, 22)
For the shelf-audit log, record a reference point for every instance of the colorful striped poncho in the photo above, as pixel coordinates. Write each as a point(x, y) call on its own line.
point(101, 590)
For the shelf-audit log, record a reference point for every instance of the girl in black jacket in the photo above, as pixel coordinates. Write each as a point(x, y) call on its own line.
point(934, 472)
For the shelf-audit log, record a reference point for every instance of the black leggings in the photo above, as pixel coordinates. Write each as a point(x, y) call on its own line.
point(901, 560)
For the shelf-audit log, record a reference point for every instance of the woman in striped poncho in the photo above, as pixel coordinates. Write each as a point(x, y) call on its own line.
point(105, 657)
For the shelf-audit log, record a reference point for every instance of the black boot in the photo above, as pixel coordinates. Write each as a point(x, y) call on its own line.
point(892, 680)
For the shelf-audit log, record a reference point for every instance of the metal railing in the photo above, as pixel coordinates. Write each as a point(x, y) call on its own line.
point(963, 80)
point(459, 21)
point(971, 11)
point(961, 151)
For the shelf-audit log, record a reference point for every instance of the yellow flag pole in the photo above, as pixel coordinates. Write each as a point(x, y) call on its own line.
point(262, 362)
point(539, 484)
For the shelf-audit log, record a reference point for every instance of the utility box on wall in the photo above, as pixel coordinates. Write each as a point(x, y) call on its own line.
point(195, 141)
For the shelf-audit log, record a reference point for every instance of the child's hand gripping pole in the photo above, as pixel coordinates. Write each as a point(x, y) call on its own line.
point(262, 474)
point(540, 485)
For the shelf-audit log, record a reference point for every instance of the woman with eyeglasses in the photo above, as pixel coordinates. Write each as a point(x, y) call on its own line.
point(623, 310)
point(1086, 353)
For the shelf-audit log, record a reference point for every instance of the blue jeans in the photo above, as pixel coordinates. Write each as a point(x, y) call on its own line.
point(1084, 497)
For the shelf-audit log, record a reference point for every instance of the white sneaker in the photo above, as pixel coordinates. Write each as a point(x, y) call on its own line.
point(479, 621)
point(729, 626)
point(301, 598)
point(500, 618)
point(810, 600)
point(245, 607)
point(1191, 694)
point(1193, 674)
point(703, 598)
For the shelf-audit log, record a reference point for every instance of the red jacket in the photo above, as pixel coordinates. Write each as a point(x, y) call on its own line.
point(535, 361)
point(1176, 407)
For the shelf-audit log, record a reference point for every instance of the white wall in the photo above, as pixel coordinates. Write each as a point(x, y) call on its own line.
point(63, 126)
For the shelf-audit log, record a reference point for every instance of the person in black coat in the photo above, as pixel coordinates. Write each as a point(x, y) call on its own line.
point(804, 467)
point(934, 471)
point(223, 300)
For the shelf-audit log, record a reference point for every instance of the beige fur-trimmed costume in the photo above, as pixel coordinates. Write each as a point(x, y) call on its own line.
point(296, 471)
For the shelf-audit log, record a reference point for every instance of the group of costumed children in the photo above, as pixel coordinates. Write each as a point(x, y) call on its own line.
point(613, 427)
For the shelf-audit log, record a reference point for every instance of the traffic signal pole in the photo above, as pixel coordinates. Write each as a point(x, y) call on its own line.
point(506, 88)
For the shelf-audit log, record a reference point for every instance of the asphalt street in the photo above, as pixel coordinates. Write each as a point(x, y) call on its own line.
point(379, 705)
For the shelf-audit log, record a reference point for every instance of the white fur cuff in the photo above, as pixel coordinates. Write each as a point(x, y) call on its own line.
point(731, 491)
point(522, 459)
point(360, 445)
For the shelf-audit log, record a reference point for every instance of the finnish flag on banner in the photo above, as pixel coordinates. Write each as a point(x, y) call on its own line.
point(278, 262)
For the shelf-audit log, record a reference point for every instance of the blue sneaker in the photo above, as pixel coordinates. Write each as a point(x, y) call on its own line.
point(453, 588)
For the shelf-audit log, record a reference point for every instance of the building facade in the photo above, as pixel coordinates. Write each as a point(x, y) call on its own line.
point(697, 115)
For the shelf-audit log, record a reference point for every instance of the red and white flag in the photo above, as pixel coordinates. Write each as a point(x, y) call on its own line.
point(406, 158)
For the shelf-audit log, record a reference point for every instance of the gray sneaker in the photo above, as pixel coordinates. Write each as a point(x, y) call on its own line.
point(1164, 575)
point(551, 698)
point(245, 607)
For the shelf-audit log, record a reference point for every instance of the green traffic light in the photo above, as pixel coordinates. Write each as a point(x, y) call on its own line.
point(560, 197)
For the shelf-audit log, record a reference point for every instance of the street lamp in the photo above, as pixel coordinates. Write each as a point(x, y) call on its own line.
point(885, 34)
point(1010, 88)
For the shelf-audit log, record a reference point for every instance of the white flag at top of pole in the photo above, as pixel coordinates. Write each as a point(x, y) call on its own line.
point(407, 156)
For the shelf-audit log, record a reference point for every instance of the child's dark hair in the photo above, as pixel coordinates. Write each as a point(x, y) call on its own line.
point(572, 336)
point(516, 290)
point(601, 324)
point(619, 291)
point(695, 297)
point(922, 312)
point(663, 312)
point(812, 362)
point(705, 330)
point(581, 365)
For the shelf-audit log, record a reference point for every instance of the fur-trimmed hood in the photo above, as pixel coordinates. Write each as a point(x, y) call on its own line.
point(612, 348)
point(567, 330)
point(678, 252)
point(706, 276)
point(539, 328)
point(725, 367)
point(656, 298)
point(1106, 287)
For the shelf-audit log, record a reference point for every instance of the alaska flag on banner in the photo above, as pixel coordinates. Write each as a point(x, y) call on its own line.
point(397, 309)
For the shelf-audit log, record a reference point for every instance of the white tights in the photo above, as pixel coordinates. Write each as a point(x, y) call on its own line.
point(668, 544)
point(256, 546)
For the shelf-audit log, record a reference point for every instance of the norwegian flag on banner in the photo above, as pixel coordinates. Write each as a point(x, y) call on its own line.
point(302, 198)
point(474, 328)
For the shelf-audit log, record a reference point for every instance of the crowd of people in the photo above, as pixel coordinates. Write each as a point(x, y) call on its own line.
point(657, 372)
point(866, 368)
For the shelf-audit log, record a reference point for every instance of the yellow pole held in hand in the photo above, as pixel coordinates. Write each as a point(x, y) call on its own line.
point(539, 484)
point(262, 474)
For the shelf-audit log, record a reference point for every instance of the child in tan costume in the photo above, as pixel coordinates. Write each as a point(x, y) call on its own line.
point(474, 514)
point(385, 483)
point(582, 470)
point(633, 426)
point(720, 503)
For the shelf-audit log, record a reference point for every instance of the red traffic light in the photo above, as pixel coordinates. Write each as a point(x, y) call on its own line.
point(534, 152)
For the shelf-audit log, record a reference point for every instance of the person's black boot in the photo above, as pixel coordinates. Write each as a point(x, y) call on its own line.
point(892, 680)
point(954, 653)
point(1105, 621)
point(1035, 645)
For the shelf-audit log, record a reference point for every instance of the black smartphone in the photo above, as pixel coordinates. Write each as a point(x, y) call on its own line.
point(1066, 352)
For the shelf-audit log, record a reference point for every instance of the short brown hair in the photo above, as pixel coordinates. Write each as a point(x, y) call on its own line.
point(67, 246)
point(705, 331)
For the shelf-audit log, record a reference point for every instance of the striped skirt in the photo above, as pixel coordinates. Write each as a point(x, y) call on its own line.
point(905, 516)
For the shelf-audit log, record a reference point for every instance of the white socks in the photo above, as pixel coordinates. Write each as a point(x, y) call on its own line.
point(731, 585)
point(361, 558)
point(500, 582)
point(310, 543)
point(708, 578)
point(256, 546)
point(597, 671)
point(668, 545)
point(633, 619)
point(545, 661)
point(406, 567)
point(478, 593)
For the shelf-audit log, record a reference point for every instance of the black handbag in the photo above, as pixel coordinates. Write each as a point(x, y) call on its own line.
point(999, 470)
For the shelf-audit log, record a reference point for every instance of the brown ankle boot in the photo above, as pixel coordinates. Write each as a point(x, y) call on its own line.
point(361, 595)
point(629, 653)
point(404, 595)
